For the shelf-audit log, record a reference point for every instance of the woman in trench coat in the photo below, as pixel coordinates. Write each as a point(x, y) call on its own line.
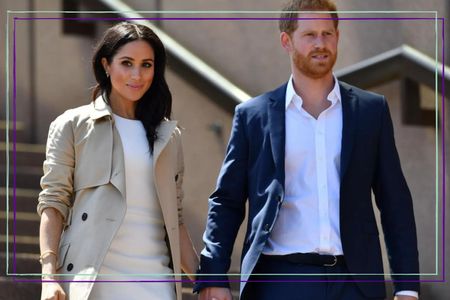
point(111, 194)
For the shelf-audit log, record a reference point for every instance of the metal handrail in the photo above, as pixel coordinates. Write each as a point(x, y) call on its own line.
point(406, 51)
point(182, 54)
point(237, 94)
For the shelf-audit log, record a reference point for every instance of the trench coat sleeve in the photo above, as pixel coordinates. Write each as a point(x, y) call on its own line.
point(57, 181)
point(179, 175)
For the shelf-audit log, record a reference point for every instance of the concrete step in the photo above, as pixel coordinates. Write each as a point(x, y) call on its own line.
point(27, 223)
point(25, 154)
point(11, 290)
point(20, 131)
point(25, 263)
point(26, 199)
point(24, 244)
point(26, 176)
point(31, 290)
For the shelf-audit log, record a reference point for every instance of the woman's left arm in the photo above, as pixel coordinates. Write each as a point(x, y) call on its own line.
point(189, 257)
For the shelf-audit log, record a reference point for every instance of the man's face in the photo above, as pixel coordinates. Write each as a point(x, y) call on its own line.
point(313, 46)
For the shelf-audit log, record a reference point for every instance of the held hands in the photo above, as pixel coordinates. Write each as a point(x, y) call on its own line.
point(215, 293)
point(405, 298)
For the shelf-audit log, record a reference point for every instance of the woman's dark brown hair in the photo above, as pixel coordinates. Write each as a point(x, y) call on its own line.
point(156, 103)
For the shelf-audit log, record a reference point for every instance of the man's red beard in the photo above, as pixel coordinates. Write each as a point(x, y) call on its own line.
point(313, 68)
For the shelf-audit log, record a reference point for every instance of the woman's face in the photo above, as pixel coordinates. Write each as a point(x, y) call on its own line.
point(131, 71)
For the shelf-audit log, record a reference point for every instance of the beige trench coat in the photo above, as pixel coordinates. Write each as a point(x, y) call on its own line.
point(84, 179)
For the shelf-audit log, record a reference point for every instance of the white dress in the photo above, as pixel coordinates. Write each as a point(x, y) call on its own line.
point(139, 246)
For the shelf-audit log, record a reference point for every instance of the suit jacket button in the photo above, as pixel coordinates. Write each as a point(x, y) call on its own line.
point(176, 177)
point(84, 216)
point(69, 267)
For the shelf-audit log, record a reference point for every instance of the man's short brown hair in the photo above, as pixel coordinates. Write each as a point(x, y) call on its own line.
point(289, 16)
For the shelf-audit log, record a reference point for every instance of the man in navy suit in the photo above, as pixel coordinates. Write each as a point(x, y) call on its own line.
point(307, 157)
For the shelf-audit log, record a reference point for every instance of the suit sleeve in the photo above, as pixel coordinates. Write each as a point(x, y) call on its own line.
point(226, 210)
point(394, 200)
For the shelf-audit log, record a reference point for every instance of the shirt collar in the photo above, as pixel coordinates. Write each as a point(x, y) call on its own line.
point(334, 96)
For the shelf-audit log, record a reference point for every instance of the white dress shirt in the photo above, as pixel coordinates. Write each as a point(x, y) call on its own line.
point(308, 220)
point(312, 164)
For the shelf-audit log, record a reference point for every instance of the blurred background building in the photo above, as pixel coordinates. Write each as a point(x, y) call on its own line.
point(214, 65)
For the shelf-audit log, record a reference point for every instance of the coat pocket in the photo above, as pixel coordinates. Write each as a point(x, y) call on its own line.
point(63, 249)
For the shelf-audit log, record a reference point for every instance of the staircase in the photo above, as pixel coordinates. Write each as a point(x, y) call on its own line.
point(29, 158)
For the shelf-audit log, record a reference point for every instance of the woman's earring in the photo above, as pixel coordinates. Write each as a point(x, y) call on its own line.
point(107, 74)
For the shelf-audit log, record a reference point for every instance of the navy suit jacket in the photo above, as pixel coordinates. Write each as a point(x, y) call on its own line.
point(253, 170)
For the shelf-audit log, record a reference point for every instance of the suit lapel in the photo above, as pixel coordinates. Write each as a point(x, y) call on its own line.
point(349, 124)
point(277, 126)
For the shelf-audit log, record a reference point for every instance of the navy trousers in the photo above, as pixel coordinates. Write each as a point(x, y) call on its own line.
point(316, 285)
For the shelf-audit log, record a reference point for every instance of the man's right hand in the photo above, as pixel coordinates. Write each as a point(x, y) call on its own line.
point(215, 293)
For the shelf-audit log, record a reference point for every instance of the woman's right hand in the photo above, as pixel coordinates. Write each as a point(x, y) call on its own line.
point(52, 290)
point(49, 235)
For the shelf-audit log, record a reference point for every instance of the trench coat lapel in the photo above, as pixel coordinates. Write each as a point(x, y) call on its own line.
point(117, 175)
point(118, 163)
point(164, 132)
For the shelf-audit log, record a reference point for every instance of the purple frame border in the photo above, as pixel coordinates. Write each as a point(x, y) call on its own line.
point(225, 19)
